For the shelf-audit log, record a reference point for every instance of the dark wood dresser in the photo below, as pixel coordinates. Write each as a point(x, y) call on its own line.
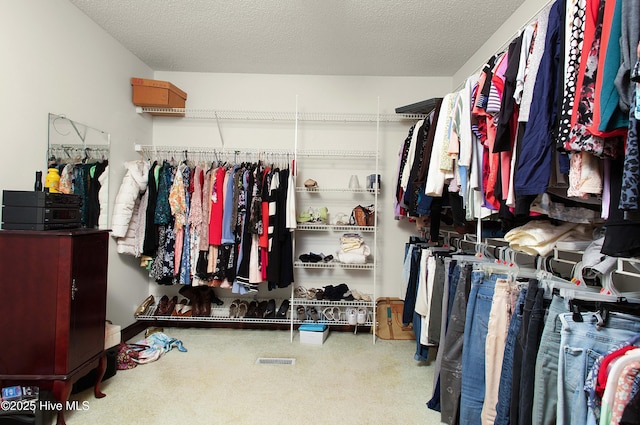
point(53, 287)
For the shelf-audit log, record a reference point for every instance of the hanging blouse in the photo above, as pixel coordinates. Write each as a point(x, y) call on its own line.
point(575, 33)
point(535, 59)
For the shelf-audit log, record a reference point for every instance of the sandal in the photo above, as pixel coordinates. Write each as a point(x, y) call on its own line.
point(186, 309)
point(302, 313)
point(233, 308)
point(300, 292)
point(313, 313)
point(270, 311)
point(332, 314)
point(177, 309)
point(243, 308)
point(359, 296)
point(282, 311)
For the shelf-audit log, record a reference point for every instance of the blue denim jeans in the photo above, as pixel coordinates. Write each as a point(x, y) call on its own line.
point(504, 391)
point(581, 343)
point(413, 255)
point(546, 373)
point(451, 368)
point(452, 274)
point(536, 325)
point(473, 349)
point(519, 349)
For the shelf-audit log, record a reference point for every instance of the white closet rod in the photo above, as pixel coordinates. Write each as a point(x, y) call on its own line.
point(98, 148)
point(182, 150)
point(207, 150)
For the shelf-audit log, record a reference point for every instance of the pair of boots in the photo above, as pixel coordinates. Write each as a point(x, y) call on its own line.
point(200, 298)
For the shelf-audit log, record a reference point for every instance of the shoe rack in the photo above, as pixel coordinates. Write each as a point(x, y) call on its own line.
point(345, 187)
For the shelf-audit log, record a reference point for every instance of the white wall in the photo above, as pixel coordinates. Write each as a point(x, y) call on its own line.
point(500, 40)
point(55, 59)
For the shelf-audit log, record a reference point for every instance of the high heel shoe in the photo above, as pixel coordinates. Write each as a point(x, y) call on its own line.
point(149, 301)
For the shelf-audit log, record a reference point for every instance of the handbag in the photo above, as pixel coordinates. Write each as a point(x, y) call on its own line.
point(389, 320)
point(127, 357)
point(363, 216)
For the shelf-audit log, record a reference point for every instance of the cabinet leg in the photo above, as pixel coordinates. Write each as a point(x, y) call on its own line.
point(61, 392)
point(102, 367)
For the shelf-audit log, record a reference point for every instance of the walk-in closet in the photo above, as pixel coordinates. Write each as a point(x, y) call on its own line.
point(286, 212)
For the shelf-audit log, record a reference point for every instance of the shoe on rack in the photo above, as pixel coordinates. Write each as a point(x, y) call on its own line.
point(172, 304)
point(163, 306)
point(187, 309)
point(262, 309)
point(300, 292)
point(177, 309)
point(251, 311)
point(243, 309)
point(302, 313)
point(282, 311)
point(205, 297)
point(310, 258)
point(195, 299)
point(313, 313)
point(361, 318)
point(310, 184)
point(352, 316)
point(233, 308)
point(149, 301)
point(270, 311)
point(359, 296)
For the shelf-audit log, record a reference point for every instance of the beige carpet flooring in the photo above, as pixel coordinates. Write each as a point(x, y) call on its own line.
point(347, 380)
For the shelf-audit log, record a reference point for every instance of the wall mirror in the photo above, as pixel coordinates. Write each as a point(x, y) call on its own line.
point(79, 154)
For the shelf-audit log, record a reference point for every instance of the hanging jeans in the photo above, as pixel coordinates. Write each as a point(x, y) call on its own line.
point(581, 343)
point(506, 374)
point(495, 345)
point(475, 334)
point(452, 274)
point(451, 369)
point(546, 373)
point(519, 349)
point(536, 325)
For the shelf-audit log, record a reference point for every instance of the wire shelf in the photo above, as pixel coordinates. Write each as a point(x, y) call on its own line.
point(303, 189)
point(332, 265)
point(212, 114)
point(346, 154)
point(334, 227)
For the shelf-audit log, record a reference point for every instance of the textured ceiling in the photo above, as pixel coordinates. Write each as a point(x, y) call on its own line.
point(321, 37)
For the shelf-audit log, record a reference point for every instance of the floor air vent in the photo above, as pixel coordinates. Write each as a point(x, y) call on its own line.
point(275, 360)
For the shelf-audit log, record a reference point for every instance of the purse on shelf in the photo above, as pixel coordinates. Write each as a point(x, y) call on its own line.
point(389, 320)
point(363, 216)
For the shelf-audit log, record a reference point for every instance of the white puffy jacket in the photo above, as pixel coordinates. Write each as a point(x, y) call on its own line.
point(103, 199)
point(133, 184)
